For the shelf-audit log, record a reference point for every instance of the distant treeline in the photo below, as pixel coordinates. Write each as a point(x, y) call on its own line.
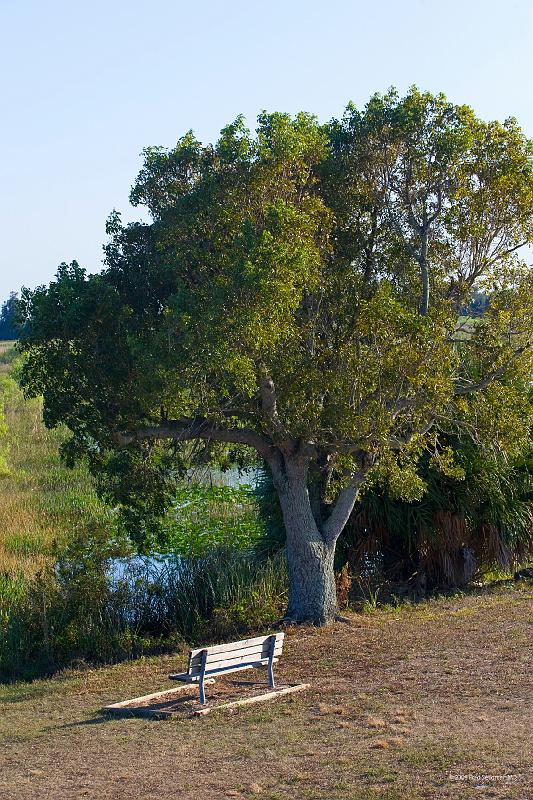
point(8, 326)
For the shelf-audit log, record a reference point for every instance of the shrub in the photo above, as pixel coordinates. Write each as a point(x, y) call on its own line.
point(76, 610)
point(207, 517)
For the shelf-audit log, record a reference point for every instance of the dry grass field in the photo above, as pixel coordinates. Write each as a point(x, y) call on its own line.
point(432, 701)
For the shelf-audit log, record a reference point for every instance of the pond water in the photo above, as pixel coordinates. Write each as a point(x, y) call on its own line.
point(152, 567)
point(231, 477)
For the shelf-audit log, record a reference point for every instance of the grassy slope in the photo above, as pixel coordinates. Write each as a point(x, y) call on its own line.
point(404, 705)
point(41, 499)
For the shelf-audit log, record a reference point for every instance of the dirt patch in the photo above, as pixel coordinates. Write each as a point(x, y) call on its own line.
point(185, 701)
point(421, 703)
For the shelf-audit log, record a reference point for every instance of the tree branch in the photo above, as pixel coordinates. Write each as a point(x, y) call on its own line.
point(342, 509)
point(398, 442)
point(424, 273)
point(267, 391)
point(491, 376)
point(182, 430)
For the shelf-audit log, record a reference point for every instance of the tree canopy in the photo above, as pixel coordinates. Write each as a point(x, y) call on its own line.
point(298, 292)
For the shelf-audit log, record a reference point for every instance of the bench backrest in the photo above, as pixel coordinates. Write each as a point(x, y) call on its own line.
point(235, 654)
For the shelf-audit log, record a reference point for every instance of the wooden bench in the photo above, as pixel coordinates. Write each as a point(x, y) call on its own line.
point(204, 664)
point(221, 659)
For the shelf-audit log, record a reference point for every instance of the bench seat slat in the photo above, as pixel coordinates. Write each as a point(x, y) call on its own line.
point(188, 678)
point(230, 646)
point(256, 658)
point(249, 653)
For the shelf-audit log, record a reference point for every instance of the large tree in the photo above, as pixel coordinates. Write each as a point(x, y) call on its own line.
point(298, 293)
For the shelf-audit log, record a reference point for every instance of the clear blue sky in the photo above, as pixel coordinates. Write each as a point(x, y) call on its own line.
point(86, 85)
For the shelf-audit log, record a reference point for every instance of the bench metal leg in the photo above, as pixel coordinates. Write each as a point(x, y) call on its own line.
point(271, 662)
point(202, 677)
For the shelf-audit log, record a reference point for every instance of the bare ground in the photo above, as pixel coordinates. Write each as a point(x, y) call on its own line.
point(426, 702)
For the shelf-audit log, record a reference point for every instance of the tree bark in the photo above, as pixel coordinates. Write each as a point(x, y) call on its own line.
point(312, 591)
point(312, 594)
point(424, 274)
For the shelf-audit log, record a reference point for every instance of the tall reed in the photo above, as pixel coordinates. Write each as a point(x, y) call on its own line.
point(76, 609)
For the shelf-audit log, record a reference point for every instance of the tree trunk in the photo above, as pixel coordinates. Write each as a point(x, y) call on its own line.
point(312, 592)
point(424, 274)
point(312, 595)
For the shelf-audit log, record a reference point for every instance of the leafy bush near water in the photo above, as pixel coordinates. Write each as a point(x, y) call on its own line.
point(75, 611)
point(92, 600)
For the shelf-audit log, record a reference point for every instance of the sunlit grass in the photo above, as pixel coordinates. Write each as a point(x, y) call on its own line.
point(41, 499)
